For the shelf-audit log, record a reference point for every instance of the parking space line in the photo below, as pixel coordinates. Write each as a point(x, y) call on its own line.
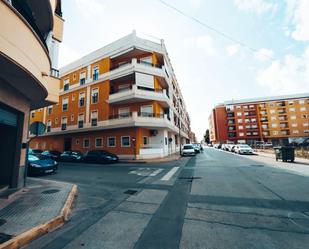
point(156, 172)
point(169, 174)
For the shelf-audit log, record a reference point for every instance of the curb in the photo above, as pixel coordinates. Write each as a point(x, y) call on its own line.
point(159, 160)
point(34, 233)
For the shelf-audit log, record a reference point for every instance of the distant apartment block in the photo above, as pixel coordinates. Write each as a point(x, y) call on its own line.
point(30, 32)
point(271, 119)
point(123, 98)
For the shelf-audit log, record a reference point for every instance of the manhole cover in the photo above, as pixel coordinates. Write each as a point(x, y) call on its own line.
point(2, 221)
point(4, 237)
point(50, 191)
point(130, 192)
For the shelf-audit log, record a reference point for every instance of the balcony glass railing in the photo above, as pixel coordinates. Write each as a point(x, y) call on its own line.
point(119, 116)
point(150, 115)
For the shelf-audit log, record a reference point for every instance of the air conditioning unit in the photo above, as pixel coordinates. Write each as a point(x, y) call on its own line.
point(153, 132)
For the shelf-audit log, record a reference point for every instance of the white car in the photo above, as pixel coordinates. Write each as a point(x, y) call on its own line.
point(244, 149)
point(188, 150)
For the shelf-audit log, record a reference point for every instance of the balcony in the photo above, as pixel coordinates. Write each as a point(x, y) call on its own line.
point(25, 63)
point(137, 66)
point(136, 94)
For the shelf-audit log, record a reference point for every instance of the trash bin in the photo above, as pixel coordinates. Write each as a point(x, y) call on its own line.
point(285, 153)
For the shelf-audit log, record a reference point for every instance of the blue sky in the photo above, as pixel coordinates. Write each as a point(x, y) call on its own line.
point(209, 67)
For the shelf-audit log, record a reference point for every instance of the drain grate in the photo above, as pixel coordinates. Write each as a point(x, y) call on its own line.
point(190, 178)
point(4, 237)
point(50, 191)
point(2, 222)
point(130, 192)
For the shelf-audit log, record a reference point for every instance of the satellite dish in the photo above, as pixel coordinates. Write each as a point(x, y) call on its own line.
point(37, 128)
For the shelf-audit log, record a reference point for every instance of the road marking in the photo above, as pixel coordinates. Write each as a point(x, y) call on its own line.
point(156, 172)
point(169, 174)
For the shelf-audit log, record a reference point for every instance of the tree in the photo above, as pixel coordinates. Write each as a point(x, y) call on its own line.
point(206, 137)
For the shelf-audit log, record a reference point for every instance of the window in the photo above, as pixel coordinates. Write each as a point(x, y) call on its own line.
point(64, 121)
point(303, 109)
point(145, 140)
point(80, 120)
point(49, 110)
point(123, 88)
point(238, 107)
point(81, 99)
point(292, 109)
point(274, 125)
point(295, 132)
point(48, 128)
point(304, 116)
point(32, 114)
point(124, 112)
point(253, 119)
point(95, 74)
point(305, 124)
point(66, 84)
point(98, 142)
point(293, 117)
point(94, 118)
point(95, 95)
point(275, 133)
point(72, 117)
point(111, 142)
point(306, 131)
point(238, 114)
point(239, 121)
point(125, 141)
point(241, 134)
point(273, 118)
point(82, 78)
point(240, 127)
point(65, 103)
point(146, 111)
point(86, 143)
point(291, 102)
point(294, 124)
point(272, 111)
point(301, 102)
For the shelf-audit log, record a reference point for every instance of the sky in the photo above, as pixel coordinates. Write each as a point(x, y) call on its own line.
point(245, 49)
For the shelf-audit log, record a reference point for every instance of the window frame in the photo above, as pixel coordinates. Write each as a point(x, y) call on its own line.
point(125, 146)
point(115, 142)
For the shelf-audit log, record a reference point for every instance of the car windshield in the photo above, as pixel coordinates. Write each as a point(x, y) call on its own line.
point(244, 146)
point(32, 158)
point(188, 147)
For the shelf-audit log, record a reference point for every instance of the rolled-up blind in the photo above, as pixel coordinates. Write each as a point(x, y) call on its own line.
point(8, 118)
point(144, 80)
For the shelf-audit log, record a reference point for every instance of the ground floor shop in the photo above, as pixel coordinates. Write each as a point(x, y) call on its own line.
point(127, 143)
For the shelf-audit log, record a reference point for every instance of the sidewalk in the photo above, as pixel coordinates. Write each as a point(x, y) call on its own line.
point(169, 158)
point(40, 207)
point(300, 166)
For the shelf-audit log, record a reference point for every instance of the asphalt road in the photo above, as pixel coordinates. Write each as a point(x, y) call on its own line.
point(212, 201)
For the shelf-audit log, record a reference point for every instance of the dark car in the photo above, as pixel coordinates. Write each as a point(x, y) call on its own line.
point(35, 152)
point(38, 164)
point(52, 154)
point(100, 156)
point(71, 156)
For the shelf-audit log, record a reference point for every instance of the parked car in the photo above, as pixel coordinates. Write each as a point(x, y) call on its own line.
point(100, 156)
point(35, 152)
point(71, 156)
point(233, 148)
point(39, 164)
point(188, 150)
point(197, 148)
point(243, 149)
point(52, 154)
point(228, 147)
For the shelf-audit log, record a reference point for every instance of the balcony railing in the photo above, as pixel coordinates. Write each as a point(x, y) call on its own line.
point(150, 115)
point(138, 61)
point(119, 116)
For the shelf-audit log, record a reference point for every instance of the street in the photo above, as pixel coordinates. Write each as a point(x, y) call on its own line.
point(214, 200)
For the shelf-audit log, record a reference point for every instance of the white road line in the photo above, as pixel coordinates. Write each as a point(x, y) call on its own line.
point(169, 174)
point(156, 172)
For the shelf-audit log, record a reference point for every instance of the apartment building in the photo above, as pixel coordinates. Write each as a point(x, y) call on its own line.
point(123, 98)
point(279, 119)
point(30, 33)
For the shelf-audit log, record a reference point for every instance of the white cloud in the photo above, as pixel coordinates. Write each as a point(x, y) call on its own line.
point(257, 6)
point(287, 76)
point(196, 3)
point(89, 8)
point(264, 54)
point(67, 55)
point(232, 49)
point(297, 14)
point(205, 43)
